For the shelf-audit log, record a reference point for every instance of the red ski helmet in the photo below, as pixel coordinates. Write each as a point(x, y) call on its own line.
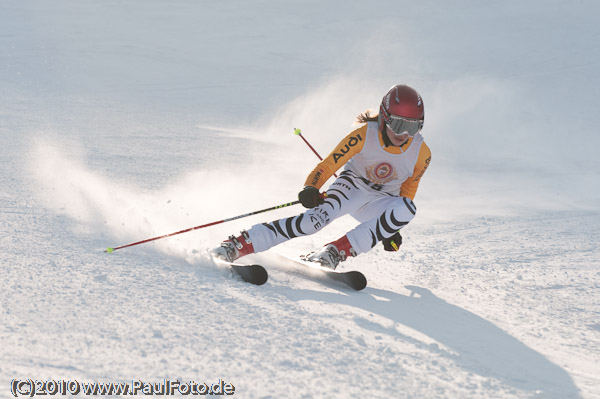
point(402, 110)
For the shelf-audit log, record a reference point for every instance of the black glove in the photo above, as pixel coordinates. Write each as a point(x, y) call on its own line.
point(310, 197)
point(392, 243)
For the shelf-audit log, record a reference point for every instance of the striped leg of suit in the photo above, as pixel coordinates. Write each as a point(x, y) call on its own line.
point(267, 235)
point(381, 216)
point(342, 197)
point(395, 214)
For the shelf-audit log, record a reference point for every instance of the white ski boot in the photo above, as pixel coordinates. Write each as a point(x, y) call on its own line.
point(234, 248)
point(327, 256)
point(333, 253)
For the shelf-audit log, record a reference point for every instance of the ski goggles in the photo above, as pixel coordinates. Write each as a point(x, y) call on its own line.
point(400, 125)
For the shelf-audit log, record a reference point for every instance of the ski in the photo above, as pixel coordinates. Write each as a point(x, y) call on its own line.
point(253, 274)
point(353, 279)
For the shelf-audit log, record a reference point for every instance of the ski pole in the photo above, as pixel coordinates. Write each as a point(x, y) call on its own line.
point(298, 132)
point(110, 249)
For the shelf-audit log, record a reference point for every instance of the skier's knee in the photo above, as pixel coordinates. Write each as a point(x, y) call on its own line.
point(314, 220)
point(404, 212)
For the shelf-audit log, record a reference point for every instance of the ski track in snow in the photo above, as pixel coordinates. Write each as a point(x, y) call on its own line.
point(115, 129)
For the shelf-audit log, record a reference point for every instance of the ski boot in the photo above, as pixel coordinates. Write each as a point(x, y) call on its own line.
point(234, 248)
point(332, 254)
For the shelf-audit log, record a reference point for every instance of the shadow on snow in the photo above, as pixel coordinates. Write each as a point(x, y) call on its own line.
point(478, 345)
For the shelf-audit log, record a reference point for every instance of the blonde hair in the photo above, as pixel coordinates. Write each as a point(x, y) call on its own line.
point(367, 117)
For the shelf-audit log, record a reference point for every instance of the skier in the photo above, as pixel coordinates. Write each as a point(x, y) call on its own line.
point(384, 160)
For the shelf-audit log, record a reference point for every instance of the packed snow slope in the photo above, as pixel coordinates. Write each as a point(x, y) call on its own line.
point(124, 120)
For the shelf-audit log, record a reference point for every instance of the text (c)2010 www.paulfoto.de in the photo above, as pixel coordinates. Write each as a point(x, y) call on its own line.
point(30, 387)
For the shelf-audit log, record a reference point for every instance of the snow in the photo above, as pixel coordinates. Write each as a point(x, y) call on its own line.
point(120, 121)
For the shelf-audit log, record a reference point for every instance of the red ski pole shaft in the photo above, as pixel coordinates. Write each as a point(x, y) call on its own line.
point(110, 249)
point(298, 132)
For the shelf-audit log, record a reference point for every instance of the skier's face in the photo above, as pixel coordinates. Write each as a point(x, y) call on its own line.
point(396, 139)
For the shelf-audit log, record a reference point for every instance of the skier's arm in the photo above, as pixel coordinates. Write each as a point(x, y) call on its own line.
point(409, 187)
point(351, 144)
